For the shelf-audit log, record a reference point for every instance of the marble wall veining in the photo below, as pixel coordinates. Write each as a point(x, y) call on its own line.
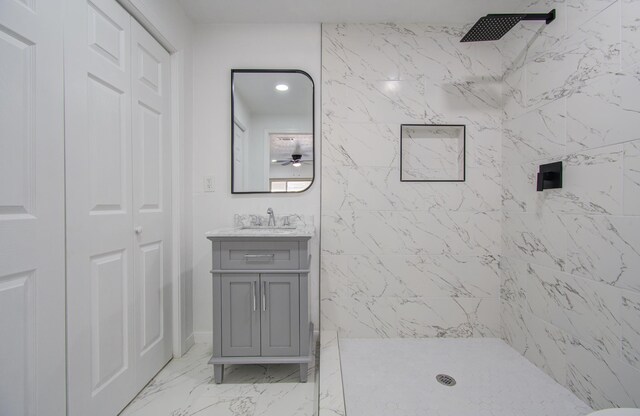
point(406, 259)
point(570, 266)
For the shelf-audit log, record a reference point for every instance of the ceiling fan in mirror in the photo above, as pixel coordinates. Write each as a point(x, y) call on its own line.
point(296, 159)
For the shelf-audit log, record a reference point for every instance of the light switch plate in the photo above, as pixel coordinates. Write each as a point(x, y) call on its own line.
point(209, 184)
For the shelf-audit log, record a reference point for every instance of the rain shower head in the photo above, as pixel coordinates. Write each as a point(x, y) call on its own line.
point(495, 26)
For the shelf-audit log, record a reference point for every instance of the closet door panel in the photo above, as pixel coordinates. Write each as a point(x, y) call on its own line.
point(32, 314)
point(151, 141)
point(100, 255)
point(107, 149)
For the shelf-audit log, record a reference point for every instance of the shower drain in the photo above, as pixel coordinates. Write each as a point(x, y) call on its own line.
point(446, 380)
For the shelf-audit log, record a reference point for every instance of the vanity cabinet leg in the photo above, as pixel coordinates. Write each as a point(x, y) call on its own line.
point(304, 369)
point(218, 371)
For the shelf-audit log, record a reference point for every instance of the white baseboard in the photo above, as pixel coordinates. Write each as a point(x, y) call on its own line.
point(204, 337)
point(188, 343)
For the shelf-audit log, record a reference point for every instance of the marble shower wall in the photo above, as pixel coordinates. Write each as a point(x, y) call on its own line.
point(571, 257)
point(408, 259)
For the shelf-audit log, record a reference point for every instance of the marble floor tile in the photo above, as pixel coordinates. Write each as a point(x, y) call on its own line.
point(331, 395)
point(185, 388)
point(397, 377)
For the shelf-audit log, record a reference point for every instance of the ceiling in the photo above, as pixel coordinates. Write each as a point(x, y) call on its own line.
point(258, 93)
point(344, 11)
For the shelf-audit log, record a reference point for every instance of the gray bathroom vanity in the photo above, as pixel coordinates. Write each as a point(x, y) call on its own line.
point(260, 297)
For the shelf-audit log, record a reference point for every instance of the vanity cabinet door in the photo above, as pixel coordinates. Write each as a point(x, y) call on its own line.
point(280, 316)
point(240, 315)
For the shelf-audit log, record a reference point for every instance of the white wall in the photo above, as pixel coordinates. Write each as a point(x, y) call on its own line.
point(168, 18)
point(571, 256)
point(218, 49)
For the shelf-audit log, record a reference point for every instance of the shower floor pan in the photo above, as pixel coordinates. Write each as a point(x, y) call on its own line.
point(397, 377)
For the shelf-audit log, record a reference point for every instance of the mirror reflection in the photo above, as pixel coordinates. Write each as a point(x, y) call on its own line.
point(272, 131)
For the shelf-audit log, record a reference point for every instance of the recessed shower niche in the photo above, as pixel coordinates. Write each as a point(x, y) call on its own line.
point(432, 153)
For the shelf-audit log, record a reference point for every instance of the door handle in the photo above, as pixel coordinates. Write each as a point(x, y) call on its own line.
point(253, 291)
point(138, 229)
point(264, 296)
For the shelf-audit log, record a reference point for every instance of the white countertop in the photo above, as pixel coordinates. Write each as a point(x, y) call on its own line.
point(304, 231)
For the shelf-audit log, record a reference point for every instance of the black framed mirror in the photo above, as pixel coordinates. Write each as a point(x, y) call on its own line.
point(272, 131)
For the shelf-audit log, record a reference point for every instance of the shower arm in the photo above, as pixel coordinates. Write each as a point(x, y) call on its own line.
point(547, 17)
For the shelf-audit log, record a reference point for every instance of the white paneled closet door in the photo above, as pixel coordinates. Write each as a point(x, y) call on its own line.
point(32, 311)
point(151, 111)
point(118, 191)
point(100, 290)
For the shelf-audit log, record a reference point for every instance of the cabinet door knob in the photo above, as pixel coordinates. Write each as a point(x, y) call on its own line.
point(138, 229)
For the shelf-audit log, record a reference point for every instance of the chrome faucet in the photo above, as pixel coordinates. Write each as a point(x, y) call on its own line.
point(272, 218)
